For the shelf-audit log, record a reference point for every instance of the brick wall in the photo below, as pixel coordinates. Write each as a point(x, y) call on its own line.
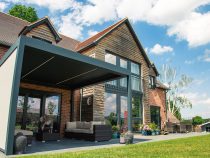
point(65, 101)
point(157, 97)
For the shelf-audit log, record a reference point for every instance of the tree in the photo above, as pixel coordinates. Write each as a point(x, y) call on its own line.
point(197, 120)
point(175, 98)
point(26, 13)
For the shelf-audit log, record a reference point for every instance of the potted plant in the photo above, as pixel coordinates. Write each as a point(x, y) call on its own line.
point(128, 138)
point(153, 127)
point(122, 138)
point(146, 130)
point(157, 131)
point(115, 130)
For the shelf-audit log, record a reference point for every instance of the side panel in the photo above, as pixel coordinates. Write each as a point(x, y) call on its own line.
point(7, 70)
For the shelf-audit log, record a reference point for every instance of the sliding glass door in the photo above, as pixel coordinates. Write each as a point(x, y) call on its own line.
point(32, 105)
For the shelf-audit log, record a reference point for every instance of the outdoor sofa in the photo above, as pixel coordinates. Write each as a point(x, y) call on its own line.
point(90, 131)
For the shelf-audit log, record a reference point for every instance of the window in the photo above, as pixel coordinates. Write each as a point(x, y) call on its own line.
point(114, 83)
point(135, 83)
point(110, 108)
point(123, 63)
point(135, 68)
point(152, 83)
point(110, 58)
point(123, 82)
point(136, 112)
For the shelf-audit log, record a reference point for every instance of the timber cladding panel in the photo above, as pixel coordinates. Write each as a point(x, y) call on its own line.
point(120, 42)
point(42, 31)
point(65, 101)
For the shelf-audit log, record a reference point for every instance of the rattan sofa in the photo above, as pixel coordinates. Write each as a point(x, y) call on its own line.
point(90, 131)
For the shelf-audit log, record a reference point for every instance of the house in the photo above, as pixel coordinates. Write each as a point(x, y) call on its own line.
point(43, 72)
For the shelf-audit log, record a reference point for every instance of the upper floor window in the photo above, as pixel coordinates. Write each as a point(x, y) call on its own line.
point(110, 58)
point(152, 83)
point(123, 82)
point(123, 63)
point(135, 83)
point(114, 82)
point(135, 68)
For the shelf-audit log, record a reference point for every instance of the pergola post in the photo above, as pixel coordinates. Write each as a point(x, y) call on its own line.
point(129, 101)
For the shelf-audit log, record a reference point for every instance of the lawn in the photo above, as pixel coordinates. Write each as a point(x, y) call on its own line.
point(198, 146)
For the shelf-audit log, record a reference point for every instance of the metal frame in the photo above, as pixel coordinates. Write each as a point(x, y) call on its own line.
point(20, 44)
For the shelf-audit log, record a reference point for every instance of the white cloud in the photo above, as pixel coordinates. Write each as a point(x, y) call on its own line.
point(181, 18)
point(194, 29)
point(92, 33)
point(3, 6)
point(157, 49)
point(189, 62)
point(206, 56)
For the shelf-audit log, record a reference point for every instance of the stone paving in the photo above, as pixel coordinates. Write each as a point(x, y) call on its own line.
point(69, 145)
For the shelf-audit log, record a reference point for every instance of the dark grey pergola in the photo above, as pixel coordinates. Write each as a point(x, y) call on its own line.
point(42, 63)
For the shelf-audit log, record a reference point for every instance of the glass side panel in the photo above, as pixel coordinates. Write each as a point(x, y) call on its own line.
point(123, 111)
point(123, 82)
point(33, 113)
point(110, 108)
point(52, 111)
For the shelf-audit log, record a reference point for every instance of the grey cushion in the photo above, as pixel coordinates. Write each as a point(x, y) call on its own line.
point(71, 125)
point(80, 131)
point(86, 125)
point(25, 132)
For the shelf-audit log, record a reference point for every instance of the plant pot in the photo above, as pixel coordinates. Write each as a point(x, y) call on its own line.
point(115, 135)
point(153, 133)
point(128, 138)
point(122, 140)
point(157, 132)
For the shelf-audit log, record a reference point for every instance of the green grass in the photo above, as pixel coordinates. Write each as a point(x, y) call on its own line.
point(185, 147)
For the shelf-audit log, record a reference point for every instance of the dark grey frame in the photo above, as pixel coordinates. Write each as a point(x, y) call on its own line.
point(35, 43)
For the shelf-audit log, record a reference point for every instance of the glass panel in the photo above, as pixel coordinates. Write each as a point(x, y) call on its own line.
point(155, 115)
point(135, 83)
point(123, 82)
point(114, 82)
point(110, 107)
point(136, 112)
point(124, 112)
point(52, 111)
point(19, 112)
point(123, 63)
point(134, 68)
point(110, 58)
point(33, 113)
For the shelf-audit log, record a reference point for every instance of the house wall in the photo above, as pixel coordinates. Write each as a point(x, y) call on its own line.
point(6, 83)
point(65, 101)
point(120, 42)
point(157, 97)
point(42, 31)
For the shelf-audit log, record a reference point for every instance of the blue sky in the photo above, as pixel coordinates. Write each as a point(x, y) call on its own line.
point(172, 32)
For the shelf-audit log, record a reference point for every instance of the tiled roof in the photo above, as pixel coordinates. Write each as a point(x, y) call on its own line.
point(10, 27)
point(96, 37)
point(172, 118)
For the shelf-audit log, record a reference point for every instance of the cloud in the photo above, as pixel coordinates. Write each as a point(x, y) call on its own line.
point(182, 19)
point(189, 62)
point(206, 56)
point(3, 6)
point(194, 29)
point(92, 33)
point(157, 49)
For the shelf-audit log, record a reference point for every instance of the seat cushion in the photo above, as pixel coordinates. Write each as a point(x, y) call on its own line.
point(86, 125)
point(80, 131)
point(25, 132)
point(71, 125)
